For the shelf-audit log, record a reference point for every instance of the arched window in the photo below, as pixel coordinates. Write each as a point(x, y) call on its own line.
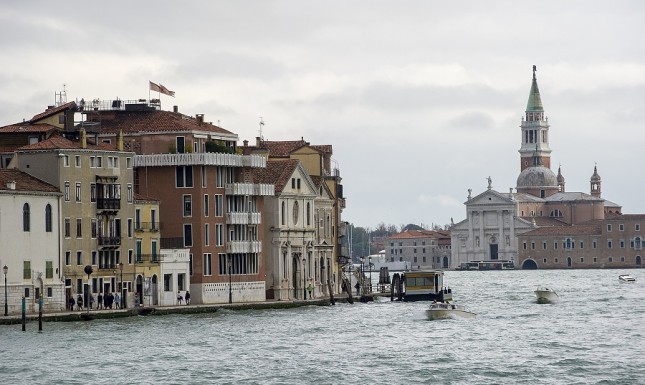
point(308, 213)
point(25, 217)
point(283, 213)
point(48, 218)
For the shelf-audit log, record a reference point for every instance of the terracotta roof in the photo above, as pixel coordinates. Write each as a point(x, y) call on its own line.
point(277, 173)
point(624, 217)
point(324, 148)
point(282, 148)
point(565, 230)
point(139, 197)
point(24, 181)
point(54, 110)
point(151, 121)
point(60, 143)
point(546, 221)
point(28, 127)
point(411, 234)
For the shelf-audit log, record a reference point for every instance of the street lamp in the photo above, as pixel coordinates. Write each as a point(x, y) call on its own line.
point(363, 274)
point(6, 307)
point(230, 288)
point(369, 263)
point(122, 305)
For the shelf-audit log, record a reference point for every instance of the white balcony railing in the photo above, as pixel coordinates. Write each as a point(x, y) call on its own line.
point(243, 218)
point(260, 189)
point(243, 246)
point(199, 159)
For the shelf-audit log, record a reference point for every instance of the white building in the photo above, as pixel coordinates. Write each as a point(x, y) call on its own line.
point(30, 242)
point(174, 265)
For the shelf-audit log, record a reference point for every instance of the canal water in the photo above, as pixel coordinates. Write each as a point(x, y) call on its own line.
point(593, 335)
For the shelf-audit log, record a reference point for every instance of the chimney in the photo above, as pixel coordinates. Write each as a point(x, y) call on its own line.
point(258, 141)
point(246, 143)
point(11, 185)
point(200, 118)
point(175, 109)
point(83, 138)
point(119, 140)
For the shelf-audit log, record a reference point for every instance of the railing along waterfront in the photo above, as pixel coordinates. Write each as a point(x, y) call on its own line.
point(199, 159)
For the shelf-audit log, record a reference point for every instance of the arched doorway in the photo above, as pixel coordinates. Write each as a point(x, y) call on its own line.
point(139, 291)
point(295, 269)
point(569, 262)
point(638, 260)
point(155, 300)
point(445, 262)
point(529, 264)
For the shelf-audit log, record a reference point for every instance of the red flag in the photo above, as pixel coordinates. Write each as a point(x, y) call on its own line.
point(166, 91)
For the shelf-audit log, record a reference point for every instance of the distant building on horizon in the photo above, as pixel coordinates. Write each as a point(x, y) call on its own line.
point(542, 225)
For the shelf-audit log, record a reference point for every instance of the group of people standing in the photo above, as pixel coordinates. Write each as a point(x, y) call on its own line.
point(107, 301)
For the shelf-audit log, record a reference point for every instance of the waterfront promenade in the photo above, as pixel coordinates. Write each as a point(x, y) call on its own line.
point(69, 316)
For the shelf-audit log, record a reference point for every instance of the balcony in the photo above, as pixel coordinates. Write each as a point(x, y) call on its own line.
point(147, 226)
point(109, 241)
point(199, 159)
point(148, 258)
point(108, 203)
point(243, 246)
point(260, 189)
point(243, 218)
point(108, 266)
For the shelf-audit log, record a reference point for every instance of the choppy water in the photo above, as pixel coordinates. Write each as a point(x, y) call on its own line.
point(593, 335)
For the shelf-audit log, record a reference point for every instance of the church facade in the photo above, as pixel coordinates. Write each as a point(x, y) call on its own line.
point(541, 225)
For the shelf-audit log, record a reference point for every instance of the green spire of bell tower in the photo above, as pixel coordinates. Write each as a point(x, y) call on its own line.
point(535, 102)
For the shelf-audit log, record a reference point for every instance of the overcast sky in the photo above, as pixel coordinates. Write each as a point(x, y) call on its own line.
point(421, 100)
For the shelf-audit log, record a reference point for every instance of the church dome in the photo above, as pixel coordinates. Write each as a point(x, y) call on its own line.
point(537, 176)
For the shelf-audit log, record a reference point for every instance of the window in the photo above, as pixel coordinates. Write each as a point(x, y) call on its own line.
point(49, 269)
point(544, 260)
point(128, 162)
point(181, 281)
point(99, 161)
point(129, 228)
point(621, 227)
point(594, 244)
point(92, 192)
point(77, 160)
point(65, 161)
point(79, 258)
point(66, 193)
point(532, 245)
point(26, 269)
point(219, 176)
point(524, 245)
point(622, 243)
point(79, 228)
point(167, 279)
point(296, 210)
point(68, 258)
point(582, 244)
point(48, 218)
point(219, 234)
point(78, 191)
point(608, 228)
point(130, 193)
point(555, 245)
point(50, 292)
point(26, 216)
point(283, 213)
point(184, 176)
point(203, 176)
point(94, 257)
point(188, 235)
point(94, 227)
point(637, 227)
point(68, 228)
point(308, 213)
point(543, 245)
point(582, 259)
point(610, 259)
point(188, 207)
point(219, 208)
point(181, 144)
point(206, 205)
point(208, 269)
point(293, 183)
point(207, 238)
point(609, 243)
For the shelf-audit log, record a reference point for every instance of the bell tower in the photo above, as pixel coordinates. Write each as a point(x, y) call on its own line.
point(535, 131)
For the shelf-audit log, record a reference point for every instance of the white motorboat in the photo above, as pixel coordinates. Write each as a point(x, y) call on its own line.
point(442, 310)
point(545, 295)
point(626, 278)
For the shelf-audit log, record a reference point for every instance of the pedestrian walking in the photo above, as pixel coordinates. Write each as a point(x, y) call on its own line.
point(99, 305)
point(117, 300)
point(358, 288)
point(91, 301)
point(71, 303)
point(179, 297)
point(79, 302)
point(310, 289)
point(187, 297)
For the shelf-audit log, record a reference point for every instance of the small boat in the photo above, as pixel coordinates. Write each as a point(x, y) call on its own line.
point(545, 295)
point(443, 310)
point(626, 278)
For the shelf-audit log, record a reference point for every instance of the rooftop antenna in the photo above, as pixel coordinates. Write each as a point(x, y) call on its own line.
point(60, 98)
point(261, 126)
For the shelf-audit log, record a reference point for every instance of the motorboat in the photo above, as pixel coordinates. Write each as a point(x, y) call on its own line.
point(443, 310)
point(626, 278)
point(545, 295)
